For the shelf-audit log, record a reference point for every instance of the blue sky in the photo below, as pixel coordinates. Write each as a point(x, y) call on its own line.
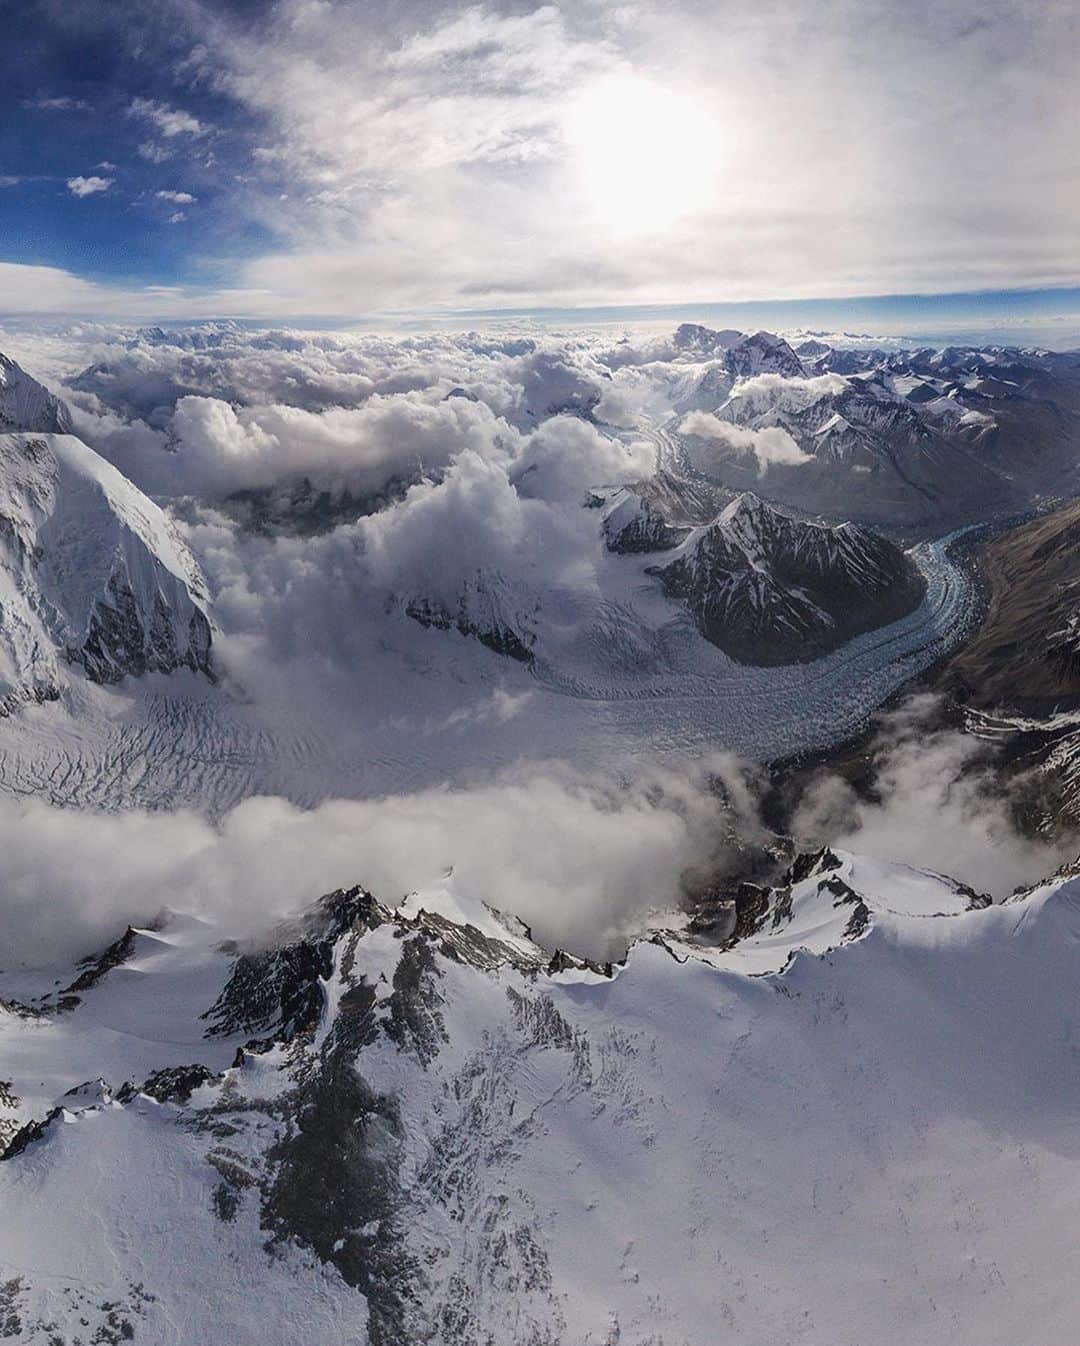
point(347, 159)
point(70, 110)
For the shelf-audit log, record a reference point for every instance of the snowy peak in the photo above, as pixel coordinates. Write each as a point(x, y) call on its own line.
point(26, 405)
point(763, 353)
point(92, 573)
point(770, 589)
point(729, 362)
point(632, 524)
point(704, 342)
point(742, 355)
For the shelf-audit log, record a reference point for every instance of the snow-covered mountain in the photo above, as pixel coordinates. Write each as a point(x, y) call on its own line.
point(92, 573)
point(413, 1124)
point(26, 405)
point(921, 439)
point(729, 357)
point(634, 523)
point(770, 589)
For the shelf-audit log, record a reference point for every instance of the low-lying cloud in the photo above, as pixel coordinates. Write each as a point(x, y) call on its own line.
point(772, 446)
point(937, 805)
point(582, 858)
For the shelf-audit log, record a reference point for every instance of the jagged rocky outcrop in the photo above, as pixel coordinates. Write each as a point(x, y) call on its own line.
point(770, 589)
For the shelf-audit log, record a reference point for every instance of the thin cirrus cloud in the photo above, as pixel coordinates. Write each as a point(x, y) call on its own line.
point(153, 153)
point(62, 103)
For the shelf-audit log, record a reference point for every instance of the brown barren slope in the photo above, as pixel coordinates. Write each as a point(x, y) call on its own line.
point(1026, 654)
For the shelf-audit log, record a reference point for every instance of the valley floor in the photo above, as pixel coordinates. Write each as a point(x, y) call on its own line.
point(430, 706)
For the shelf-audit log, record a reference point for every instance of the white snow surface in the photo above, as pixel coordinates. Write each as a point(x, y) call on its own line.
point(842, 1138)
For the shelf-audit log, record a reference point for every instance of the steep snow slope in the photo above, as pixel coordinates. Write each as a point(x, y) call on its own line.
point(26, 405)
point(91, 573)
point(854, 1125)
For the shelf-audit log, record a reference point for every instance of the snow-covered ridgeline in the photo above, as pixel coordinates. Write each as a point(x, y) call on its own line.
point(434, 1130)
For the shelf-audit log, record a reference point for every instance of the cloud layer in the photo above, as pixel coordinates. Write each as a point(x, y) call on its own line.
point(770, 446)
point(582, 859)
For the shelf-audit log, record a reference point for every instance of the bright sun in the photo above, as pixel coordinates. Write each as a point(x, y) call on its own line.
point(644, 153)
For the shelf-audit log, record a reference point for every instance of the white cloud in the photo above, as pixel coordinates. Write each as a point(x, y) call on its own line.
point(580, 857)
point(221, 449)
point(177, 198)
point(937, 807)
point(154, 153)
point(177, 217)
point(415, 161)
point(59, 104)
point(772, 446)
point(169, 121)
point(88, 186)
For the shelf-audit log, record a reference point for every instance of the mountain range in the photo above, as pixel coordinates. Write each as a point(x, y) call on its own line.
point(914, 441)
point(768, 1113)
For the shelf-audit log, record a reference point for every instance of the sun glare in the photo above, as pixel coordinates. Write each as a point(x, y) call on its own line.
point(643, 151)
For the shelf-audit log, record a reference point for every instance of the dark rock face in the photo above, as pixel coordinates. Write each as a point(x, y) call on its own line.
point(276, 993)
point(95, 968)
point(177, 1083)
point(633, 525)
point(768, 589)
point(335, 1187)
point(28, 1134)
point(483, 613)
point(1026, 655)
point(811, 862)
point(306, 509)
point(120, 644)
